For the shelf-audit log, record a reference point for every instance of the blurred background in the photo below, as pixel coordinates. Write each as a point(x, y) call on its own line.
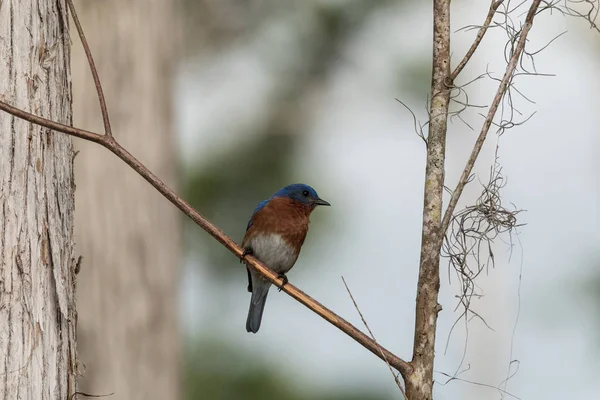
point(230, 100)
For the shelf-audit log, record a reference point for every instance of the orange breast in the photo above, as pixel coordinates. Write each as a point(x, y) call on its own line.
point(284, 217)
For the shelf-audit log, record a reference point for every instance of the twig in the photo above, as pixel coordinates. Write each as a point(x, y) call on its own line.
point(482, 30)
point(90, 395)
point(418, 126)
point(455, 378)
point(490, 116)
point(111, 144)
point(373, 337)
point(88, 54)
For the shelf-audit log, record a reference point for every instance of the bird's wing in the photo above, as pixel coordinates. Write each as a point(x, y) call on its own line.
point(257, 209)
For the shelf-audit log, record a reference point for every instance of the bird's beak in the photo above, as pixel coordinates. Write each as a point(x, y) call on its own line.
point(321, 202)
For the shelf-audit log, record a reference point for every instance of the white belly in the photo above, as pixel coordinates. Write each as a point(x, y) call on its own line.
point(273, 251)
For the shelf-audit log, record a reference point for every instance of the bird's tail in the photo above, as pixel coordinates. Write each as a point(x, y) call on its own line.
point(260, 290)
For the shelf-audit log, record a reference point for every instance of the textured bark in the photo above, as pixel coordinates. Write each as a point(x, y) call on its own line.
point(37, 307)
point(128, 234)
point(419, 385)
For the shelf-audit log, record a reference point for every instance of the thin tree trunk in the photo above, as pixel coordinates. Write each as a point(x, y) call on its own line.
point(128, 234)
point(419, 385)
point(37, 284)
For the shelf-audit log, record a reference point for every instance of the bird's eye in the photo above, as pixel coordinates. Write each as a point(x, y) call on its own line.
point(305, 193)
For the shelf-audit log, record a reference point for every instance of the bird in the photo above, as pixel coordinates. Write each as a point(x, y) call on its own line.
point(274, 235)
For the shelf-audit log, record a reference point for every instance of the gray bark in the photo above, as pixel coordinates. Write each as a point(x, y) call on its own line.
point(37, 284)
point(128, 234)
point(419, 385)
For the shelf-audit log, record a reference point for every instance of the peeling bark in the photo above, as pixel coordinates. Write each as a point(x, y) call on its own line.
point(419, 385)
point(37, 285)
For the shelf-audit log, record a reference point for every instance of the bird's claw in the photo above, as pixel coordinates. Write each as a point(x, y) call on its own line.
point(285, 281)
point(247, 251)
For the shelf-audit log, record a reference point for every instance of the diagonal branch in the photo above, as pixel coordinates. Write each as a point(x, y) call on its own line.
point(482, 30)
point(502, 88)
point(111, 144)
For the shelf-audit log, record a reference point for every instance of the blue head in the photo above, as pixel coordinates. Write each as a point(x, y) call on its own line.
point(303, 194)
point(299, 192)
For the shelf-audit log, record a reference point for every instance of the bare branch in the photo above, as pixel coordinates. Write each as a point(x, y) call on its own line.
point(418, 126)
point(567, 8)
point(88, 54)
point(482, 30)
point(90, 395)
point(502, 88)
point(373, 337)
point(80, 133)
point(455, 378)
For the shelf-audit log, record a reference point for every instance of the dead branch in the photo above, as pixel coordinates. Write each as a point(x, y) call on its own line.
point(482, 30)
point(88, 54)
point(504, 84)
point(373, 337)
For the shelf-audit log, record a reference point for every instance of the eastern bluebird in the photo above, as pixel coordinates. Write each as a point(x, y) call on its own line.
point(274, 235)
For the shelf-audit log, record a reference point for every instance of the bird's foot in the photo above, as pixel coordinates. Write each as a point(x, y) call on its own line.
point(284, 279)
point(247, 251)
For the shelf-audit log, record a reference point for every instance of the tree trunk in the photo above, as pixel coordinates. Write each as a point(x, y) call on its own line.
point(37, 284)
point(128, 234)
point(419, 386)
